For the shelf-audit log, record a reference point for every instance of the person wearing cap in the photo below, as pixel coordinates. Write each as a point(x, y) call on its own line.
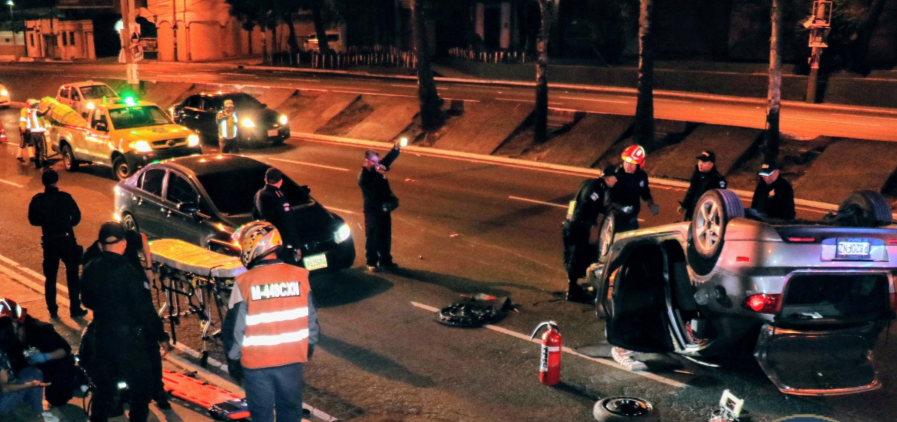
point(704, 178)
point(631, 188)
point(272, 205)
point(57, 213)
point(591, 201)
point(378, 204)
point(124, 328)
point(773, 195)
point(228, 125)
point(45, 349)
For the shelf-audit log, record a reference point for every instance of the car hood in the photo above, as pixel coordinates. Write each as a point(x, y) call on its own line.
point(312, 221)
point(259, 115)
point(154, 133)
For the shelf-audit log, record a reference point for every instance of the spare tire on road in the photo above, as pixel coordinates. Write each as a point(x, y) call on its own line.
point(623, 409)
point(864, 208)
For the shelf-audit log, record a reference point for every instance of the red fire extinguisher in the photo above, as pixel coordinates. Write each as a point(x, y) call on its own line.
point(550, 360)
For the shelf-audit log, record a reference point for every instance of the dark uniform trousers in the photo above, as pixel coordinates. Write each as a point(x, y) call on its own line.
point(578, 252)
point(378, 233)
point(66, 249)
point(126, 362)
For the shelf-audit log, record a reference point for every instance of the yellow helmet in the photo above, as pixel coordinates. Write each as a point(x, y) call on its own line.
point(257, 240)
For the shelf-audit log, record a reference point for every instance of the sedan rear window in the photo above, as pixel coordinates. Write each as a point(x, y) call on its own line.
point(233, 191)
point(97, 92)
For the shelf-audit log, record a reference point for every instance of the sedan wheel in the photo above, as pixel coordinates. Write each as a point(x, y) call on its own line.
point(128, 222)
point(606, 234)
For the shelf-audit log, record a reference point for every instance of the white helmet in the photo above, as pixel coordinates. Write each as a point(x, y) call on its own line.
point(257, 240)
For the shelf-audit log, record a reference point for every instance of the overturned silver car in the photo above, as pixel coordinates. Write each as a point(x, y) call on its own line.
point(810, 298)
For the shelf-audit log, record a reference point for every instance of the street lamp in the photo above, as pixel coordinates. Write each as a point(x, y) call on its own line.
point(12, 26)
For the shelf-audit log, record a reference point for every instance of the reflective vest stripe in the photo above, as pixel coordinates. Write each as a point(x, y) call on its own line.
point(33, 122)
point(280, 316)
point(273, 340)
point(224, 126)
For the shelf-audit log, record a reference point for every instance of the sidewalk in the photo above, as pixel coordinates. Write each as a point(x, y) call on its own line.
point(29, 294)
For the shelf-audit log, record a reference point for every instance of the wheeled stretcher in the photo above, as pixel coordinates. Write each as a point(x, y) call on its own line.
point(202, 278)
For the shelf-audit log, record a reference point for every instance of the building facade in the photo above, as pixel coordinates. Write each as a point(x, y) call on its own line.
point(60, 39)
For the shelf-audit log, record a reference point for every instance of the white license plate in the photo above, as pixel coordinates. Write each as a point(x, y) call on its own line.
point(272, 132)
point(853, 249)
point(315, 262)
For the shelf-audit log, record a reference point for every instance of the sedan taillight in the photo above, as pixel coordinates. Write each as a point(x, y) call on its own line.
point(764, 303)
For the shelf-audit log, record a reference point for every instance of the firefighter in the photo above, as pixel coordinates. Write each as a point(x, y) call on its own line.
point(272, 205)
point(773, 195)
point(227, 128)
point(590, 202)
point(124, 327)
point(271, 327)
point(57, 214)
point(704, 178)
point(631, 186)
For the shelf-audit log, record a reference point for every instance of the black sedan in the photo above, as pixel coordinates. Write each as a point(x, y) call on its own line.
point(202, 199)
point(257, 123)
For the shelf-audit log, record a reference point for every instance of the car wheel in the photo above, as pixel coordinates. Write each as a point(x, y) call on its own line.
point(120, 168)
point(712, 213)
point(68, 158)
point(129, 223)
point(278, 141)
point(606, 234)
point(870, 208)
point(622, 409)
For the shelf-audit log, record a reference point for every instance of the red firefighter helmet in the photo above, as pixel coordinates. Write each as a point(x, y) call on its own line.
point(9, 308)
point(635, 154)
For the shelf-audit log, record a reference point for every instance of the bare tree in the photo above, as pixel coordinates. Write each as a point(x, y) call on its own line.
point(540, 114)
point(430, 104)
point(643, 133)
point(774, 95)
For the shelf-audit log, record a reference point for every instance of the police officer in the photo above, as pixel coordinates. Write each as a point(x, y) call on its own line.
point(49, 352)
point(57, 213)
point(631, 186)
point(124, 327)
point(272, 205)
point(274, 326)
point(773, 195)
point(379, 202)
point(227, 128)
point(590, 202)
point(705, 178)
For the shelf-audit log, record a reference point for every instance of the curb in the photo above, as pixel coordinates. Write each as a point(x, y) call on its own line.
point(532, 165)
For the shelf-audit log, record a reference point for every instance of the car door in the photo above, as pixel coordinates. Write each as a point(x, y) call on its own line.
point(208, 124)
point(183, 219)
point(148, 205)
point(189, 112)
point(97, 137)
point(635, 300)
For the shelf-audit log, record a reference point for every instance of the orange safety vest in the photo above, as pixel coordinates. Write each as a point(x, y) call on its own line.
point(23, 118)
point(33, 122)
point(277, 318)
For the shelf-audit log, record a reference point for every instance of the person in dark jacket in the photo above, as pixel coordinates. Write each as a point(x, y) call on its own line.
point(773, 195)
point(379, 203)
point(272, 205)
point(125, 326)
point(57, 214)
point(590, 202)
point(46, 351)
point(631, 188)
point(705, 178)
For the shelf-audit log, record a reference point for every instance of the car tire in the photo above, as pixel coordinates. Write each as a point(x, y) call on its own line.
point(68, 158)
point(876, 211)
point(129, 223)
point(121, 169)
point(278, 141)
point(623, 409)
point(712, 214)
point(606, 234)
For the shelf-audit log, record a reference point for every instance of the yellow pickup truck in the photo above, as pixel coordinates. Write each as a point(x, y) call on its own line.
point(125, 135)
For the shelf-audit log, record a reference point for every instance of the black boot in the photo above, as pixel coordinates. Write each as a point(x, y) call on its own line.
point(576, 293)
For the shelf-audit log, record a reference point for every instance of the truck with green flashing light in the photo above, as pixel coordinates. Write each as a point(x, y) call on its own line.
point(125, 135)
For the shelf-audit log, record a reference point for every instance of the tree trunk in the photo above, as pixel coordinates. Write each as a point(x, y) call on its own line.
point(860, 46)
point(774, 96)
point(540, 114)
point(293, 43)
point(644, 110)
point(430, 103)
point(320, 29)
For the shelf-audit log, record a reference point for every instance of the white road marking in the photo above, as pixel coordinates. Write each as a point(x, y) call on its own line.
point(550, 204)
point(30, 272)
point(514, 99)
point(606, 362)
point(460, 99)
point(596, 100)
point(11, 183)
point(303, 163)
point(341, 210)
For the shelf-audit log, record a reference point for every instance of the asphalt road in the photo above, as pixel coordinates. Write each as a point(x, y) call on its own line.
point(797, 120)
point(383, 358)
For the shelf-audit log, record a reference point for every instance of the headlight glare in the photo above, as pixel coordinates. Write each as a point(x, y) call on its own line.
point(247, 123)
point(192, 141)
point(342, 233)
point(91, 106)
point(283, 119)
point(142, 146)
point(4, 92)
